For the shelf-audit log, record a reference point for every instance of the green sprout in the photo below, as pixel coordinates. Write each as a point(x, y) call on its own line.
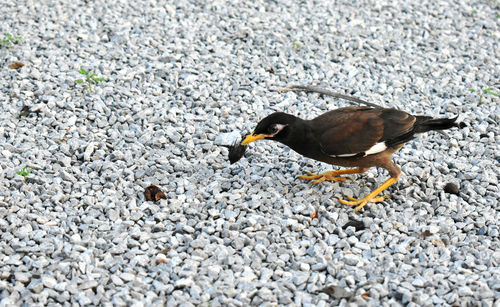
point(296, 45)
point(486, 91)
point(25, 171)
point(10, 41)
point(90, 78)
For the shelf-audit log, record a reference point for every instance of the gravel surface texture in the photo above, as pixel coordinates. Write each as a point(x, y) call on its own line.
point(79, 231)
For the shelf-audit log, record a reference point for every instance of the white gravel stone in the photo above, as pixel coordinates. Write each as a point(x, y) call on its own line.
point(184, 282)
point(35, 285)
point(127, 277)
point(228, 138)
point(351, 259)
point(49, 281)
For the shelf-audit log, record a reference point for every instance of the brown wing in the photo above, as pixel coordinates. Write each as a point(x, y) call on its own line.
point(398, 126)
point(349, 131)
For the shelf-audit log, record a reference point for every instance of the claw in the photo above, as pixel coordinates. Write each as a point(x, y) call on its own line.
point(321, 179)
point(328, 176)
point(309, 176)
point(370, 198)
point(360, 203)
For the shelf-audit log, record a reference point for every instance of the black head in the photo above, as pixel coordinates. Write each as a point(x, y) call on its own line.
point(274, 127)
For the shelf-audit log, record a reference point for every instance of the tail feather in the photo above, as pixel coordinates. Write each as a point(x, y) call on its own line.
point(425, 123)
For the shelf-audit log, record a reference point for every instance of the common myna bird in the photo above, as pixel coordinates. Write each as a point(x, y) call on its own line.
point(359, 137)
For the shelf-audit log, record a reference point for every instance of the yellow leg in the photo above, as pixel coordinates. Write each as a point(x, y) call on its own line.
point(331, 175)
point(370, 198)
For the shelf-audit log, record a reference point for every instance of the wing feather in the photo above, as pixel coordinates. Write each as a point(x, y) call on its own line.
point(356, 130)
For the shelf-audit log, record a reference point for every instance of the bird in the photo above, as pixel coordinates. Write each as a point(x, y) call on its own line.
point(354, 137)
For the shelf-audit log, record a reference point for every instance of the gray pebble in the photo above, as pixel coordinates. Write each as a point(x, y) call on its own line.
point(49, 281)
point(35, 285)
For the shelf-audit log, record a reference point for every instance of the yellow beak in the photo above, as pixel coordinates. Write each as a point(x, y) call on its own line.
point(252, 138)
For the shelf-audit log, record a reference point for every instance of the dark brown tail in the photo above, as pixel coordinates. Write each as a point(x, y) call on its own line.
point(425, 123)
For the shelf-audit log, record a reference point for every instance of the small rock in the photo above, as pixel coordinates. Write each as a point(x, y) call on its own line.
point(319, 267)
point(65, 161)
point(75, 239)
point(401, 248)
point(22, 277)
point(362, 245)
point(451, 188)
point(227, 139)
point(265, 274)
point(337, 292)
point(127, 276)
point(49, 281)
point(188, 229)
point(67, 176)
point(465, 291)
point(83, 300)
point(433, 229)
point(199, 243)
point(248, 275)
point(88, 151)
point(300, 277)
point(305, 267)
point(89, 284)
point(183, 283)
point(351, 259)
point(36, 285)
point(116, 280)
point(418, 282)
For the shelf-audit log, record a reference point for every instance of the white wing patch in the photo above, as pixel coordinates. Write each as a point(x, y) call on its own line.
point(379, 147)
point(344, 155)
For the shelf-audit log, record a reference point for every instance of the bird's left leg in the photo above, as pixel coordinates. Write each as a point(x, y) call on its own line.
point(394, 172)
point(332, 175)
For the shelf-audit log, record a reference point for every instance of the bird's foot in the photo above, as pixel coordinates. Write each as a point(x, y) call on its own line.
point(360, 203)
point(328, 176)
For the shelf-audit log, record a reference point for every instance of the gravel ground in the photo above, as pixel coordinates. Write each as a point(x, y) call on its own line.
point(79, 230)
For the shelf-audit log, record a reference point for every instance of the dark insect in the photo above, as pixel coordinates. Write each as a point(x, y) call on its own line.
point(154, 193)
point(236, 151)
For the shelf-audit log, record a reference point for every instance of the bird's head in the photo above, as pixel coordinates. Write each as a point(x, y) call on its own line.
point(273, 127)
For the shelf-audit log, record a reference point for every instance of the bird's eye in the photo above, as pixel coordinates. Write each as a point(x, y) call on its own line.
point(273, 129)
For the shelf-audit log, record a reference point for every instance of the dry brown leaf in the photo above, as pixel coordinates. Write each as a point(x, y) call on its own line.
point(161, 260)
point(154, 193)
point(16, 65)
